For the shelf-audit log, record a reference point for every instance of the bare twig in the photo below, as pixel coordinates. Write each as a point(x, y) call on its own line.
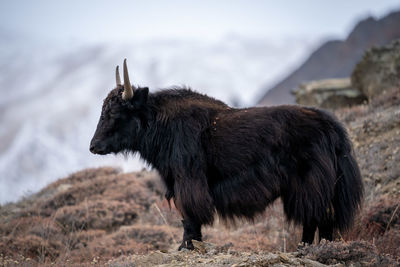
point(391, 218)
point(256, 236)
point(284, 234)
point(341, 237)
point(165, 221)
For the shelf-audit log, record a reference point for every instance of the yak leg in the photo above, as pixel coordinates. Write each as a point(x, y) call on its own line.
point(309, 232)
point(192, 230)
point(325, 230)
point(195, 204)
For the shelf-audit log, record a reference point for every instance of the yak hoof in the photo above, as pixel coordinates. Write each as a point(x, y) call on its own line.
point(187, 245)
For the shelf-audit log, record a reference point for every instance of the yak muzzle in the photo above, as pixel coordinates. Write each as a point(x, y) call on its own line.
point(97, 148)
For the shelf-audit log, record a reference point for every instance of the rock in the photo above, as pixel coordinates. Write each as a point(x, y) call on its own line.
point(199, 246)
point(284, 258)
point(378, 71)
point(329, 93)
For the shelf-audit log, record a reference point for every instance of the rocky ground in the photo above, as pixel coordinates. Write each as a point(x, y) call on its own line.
point(205, 254)
point(103, 216)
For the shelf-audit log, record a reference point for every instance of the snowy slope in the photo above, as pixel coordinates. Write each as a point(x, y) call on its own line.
point(52, 95)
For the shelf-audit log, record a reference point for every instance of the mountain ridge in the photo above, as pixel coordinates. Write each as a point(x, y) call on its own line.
point(336, 58)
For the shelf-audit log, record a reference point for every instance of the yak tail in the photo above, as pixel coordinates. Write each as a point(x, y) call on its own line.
point(349, 188)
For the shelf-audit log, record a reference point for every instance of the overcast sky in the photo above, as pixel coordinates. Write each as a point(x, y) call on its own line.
point(126, 21)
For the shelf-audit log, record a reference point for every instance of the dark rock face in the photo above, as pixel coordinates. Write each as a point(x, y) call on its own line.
point(336, 59)
point(378, 71)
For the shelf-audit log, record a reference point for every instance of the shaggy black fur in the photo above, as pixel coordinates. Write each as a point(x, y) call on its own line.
point(235, 162)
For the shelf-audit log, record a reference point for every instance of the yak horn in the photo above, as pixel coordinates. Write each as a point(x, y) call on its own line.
point(128, 90)
point(117, 77)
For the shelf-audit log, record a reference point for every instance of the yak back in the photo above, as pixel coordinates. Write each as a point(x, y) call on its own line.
point(244, 137)
point(176, 103)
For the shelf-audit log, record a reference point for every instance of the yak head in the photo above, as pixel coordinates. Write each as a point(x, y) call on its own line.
point(124, 116)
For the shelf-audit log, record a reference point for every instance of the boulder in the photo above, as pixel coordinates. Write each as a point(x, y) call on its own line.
point(378, 71)
point(329, 94)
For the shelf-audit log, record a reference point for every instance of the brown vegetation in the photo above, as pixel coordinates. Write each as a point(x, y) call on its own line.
point(91, 213)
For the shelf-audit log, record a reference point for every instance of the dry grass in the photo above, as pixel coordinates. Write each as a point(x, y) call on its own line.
point(91, 213)
point(379, 224)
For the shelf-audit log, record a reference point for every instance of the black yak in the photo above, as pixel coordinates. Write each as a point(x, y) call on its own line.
point(214, 159)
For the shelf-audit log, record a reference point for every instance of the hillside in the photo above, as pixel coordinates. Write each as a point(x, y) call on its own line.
point(105, 216)
point(336, 58)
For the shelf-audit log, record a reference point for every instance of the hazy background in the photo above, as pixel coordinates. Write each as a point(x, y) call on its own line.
point(57, 62)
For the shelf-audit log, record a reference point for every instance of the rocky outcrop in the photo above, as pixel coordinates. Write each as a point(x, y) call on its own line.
point(329, 94)
point(336, 58)
point(378, 71)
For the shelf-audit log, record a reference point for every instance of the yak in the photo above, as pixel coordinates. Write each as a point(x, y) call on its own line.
point(231, 162)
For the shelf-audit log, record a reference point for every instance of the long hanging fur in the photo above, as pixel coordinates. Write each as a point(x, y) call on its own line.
point(235, 162)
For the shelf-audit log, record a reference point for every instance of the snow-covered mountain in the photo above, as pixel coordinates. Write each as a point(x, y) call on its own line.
point(51, 94)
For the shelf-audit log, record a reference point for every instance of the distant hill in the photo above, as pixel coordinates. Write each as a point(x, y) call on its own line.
point(336, 58)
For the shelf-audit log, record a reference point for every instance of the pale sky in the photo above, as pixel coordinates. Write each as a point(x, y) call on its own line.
point(96, 21)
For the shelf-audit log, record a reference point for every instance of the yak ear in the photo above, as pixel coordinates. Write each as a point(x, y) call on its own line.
point(141, 95)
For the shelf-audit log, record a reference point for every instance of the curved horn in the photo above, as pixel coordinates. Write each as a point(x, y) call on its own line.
point(128, 90)
point(117, 77)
